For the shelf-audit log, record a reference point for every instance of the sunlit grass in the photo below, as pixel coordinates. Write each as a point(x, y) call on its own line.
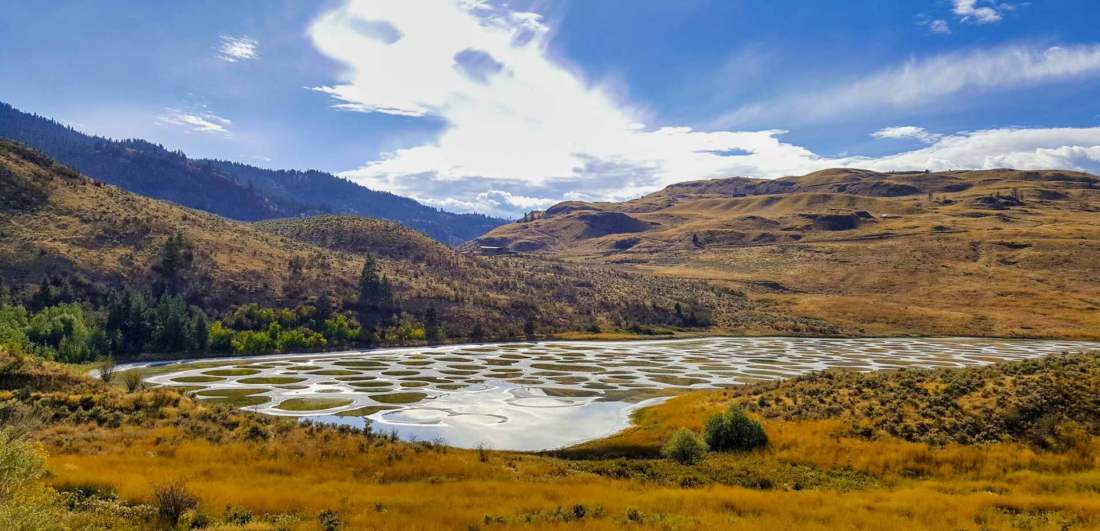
point(311, 404)
point(453, 489)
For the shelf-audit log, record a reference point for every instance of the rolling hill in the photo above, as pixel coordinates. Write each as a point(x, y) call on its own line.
point(990, 253)
point(54, 221)
point(229, 189)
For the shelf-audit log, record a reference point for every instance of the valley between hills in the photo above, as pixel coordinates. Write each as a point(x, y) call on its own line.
point(101, 285)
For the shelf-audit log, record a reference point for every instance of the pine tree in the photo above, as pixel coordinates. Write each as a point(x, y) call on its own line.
point(173, 328)
point(200, 333)
point(432, 330)
point(529, 326)
point(324, 307)
point(375, 294)
point(173, 266)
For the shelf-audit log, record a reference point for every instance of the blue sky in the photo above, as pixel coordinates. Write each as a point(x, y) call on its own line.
point(503, 107)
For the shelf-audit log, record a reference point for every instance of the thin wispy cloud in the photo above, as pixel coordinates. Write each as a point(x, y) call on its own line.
point(939, 26)
point(197, 122)
point(235, 49)
point(931, 80)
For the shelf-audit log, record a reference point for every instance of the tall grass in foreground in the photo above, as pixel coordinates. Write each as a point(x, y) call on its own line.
point(814, 474)
point(924, 487)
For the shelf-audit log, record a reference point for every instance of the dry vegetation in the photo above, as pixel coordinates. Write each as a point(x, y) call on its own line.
point(54, 221)
point(116, 457)
point(985, 253)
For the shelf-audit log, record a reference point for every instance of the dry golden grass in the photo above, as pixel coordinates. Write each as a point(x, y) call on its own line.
point(994, 487)
point(970, 262)
point(814, 475)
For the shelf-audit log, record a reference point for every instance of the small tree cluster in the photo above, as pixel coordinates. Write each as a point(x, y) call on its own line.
point(685, 447)
point(733, 431)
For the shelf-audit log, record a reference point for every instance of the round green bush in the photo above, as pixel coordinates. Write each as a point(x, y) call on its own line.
point(733, 431)
point(685, 447)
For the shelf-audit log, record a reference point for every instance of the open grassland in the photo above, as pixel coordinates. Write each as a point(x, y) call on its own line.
point(840, 457)
point(986, 253)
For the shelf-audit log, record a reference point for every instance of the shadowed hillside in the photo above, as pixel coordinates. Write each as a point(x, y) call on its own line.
point(229, 189)
point(996, 252)
point(57, 222)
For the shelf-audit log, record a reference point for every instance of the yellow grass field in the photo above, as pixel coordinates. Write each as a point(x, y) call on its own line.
point(815, 474)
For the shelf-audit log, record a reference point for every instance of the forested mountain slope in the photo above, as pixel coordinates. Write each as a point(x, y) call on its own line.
point(54, 221)
point(229, 189)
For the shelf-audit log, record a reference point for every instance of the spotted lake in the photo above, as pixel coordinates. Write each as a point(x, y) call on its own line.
point(530, 396)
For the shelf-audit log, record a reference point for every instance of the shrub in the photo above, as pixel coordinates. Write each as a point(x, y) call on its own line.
point(20, 462)
point(329, 520)
point(237, 515)
point(685, 447)
point(132, 380)
point(107, 370)
point(733, 431)
point(173, 500)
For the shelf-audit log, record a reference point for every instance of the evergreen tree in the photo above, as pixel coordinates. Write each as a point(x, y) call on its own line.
point(529, 326)
point(375, 295)
point(200, 333)
point(432, 330)
point(478, 333)
point(173, 266)
point(324, 306)
point(173, 330)
point(128, 323)
point(295, 283)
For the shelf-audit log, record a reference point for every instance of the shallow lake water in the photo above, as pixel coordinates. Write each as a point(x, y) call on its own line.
point(534, 396)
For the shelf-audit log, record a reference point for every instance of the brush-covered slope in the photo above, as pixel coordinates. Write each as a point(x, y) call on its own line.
point(997, 252)
point(567, 296)
point(359, 235)
point(229, 189)
point(54, 221)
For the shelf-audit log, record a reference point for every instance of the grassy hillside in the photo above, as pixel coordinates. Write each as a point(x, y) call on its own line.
point(359, 235)
point(118, 459)
point(229, 189)
point(996, 252)
point(54, 221)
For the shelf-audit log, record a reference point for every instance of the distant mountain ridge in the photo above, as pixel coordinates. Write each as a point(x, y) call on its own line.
point(55, 222)
point(229, 189)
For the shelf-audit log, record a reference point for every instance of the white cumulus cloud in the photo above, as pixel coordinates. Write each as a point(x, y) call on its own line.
point(235, 49)
point(970, 11)
point(1026, 149)
point(523, 130)
point(907, 131)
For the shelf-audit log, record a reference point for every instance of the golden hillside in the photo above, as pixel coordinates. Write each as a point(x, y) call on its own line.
point(55, 221)
point(997, 252)
point(355, 234)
